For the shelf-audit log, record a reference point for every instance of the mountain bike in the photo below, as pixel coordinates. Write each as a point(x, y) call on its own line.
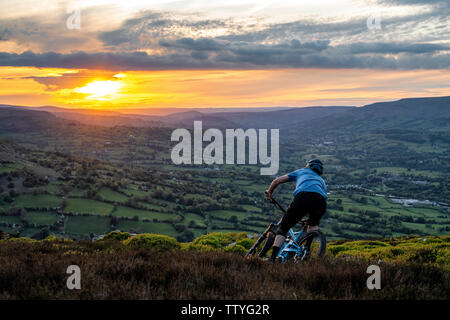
point(298, 246)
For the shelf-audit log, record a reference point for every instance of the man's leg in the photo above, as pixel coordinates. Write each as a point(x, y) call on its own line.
point(279, 240)
point(317, 207)
point(290, 218)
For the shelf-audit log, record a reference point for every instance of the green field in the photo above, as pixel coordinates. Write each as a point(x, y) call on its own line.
point(220, 224)
point(122, 211)
point(199, 220)
point(226, 214)
point(77, 205)
point(111, 195)
point(10, 219)
point(84, 225)
point(53, 187)
point(77, 193)
point(135, 192)
point(42, 218)
point(150, 206)
point(251, 208)
point(10, 167)
point(37, 201)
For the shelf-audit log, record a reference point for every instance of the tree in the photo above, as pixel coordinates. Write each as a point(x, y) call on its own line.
point(186, 236)
point(192, 224)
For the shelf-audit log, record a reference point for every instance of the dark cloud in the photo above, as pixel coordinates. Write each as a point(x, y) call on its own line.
point(202, 44)
point(393, 48)
point(240, 57)
point(102, 60)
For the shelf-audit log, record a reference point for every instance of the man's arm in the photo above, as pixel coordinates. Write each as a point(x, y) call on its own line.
point(275, 184)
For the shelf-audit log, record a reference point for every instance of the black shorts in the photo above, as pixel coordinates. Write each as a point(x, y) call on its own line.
point(311, 203)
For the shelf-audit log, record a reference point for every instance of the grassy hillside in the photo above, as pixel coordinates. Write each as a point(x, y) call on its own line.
point(380, 168)
point(157, 267)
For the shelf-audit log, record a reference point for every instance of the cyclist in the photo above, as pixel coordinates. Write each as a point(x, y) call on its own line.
point(310, 196)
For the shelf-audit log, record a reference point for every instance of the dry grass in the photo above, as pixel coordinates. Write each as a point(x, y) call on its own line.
point(37, 270)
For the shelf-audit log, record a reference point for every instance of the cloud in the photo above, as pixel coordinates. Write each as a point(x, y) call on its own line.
point(148, 28)
point(152, 40)
point(101, 60)
point(39, 36)
point(413, 2)
point(202, 44)
point(291, 55)
point(392, 48)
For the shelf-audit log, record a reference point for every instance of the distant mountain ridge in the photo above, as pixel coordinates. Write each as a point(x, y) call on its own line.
point(423, 114)
point(411, 114)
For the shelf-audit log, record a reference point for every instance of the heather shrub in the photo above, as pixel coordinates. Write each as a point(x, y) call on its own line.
point(411, 249)
point(334, 250)
point(215, 240)
point(238, 236)
point(246, 243)
point(152, 241)
point(51, 238)
point(35, 270)
point(368, 244)
point(21, 239)
point(189, 246)
point(116, 236)
point(423, 255)
point(236, 248)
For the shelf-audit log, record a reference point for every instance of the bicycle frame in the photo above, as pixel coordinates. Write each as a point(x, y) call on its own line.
point(290, 246)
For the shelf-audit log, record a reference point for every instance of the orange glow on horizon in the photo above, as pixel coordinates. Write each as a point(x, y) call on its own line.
point(109, 90)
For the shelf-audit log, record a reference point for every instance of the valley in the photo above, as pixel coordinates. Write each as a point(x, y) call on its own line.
point(77, 180)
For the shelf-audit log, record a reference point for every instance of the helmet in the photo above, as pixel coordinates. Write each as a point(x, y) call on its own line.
point(315, 165)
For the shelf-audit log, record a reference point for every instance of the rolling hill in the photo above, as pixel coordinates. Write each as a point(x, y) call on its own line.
point(102, 178)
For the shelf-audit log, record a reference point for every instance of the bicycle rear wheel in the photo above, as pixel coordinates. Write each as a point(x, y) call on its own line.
point(313, 244)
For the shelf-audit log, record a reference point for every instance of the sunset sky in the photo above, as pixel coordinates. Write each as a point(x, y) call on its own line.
point(222, 53)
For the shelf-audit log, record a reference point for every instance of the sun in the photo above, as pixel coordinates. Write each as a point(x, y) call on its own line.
point(101, 89)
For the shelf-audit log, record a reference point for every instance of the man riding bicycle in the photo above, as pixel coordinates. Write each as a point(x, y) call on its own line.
point(310, 196)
